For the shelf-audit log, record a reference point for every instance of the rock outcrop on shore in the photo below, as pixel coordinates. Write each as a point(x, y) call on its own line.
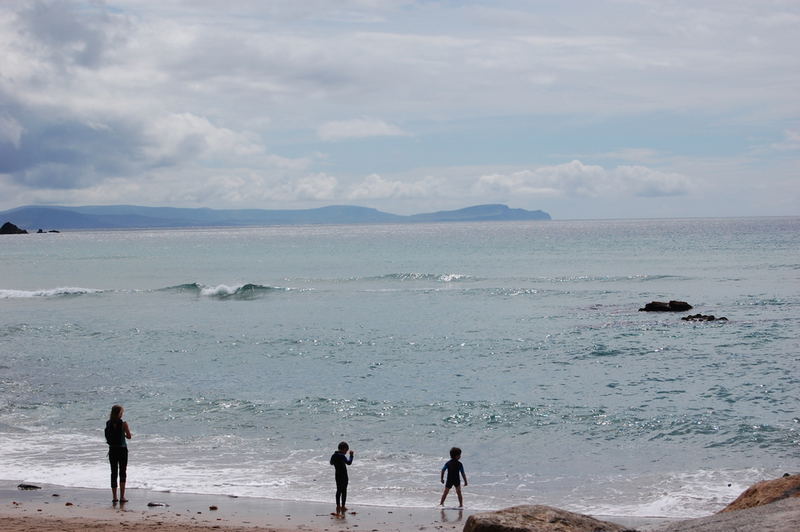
point(766, 492)
point(768, 506)
point(538, 518)
point(779, 516)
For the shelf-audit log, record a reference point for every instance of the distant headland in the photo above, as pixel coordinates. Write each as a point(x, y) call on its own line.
point(136, 217)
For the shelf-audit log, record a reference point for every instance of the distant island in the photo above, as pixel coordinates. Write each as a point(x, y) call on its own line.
point(136, 217)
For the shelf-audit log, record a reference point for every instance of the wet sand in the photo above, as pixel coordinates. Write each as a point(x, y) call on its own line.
point(56, 508)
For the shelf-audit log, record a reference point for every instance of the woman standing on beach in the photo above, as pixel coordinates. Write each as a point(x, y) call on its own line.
point(117, 431)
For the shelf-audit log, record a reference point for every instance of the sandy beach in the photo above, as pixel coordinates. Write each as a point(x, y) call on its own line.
point(60, 508)
point(72, 509)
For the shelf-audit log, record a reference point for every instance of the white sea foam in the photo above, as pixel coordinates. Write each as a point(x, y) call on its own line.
point(53, 292)
point(220, 465)
point(244, 289)
point(450, 277)
point(219, 290)
point(677, 495)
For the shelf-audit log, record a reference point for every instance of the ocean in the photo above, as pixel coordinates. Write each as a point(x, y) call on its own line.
point(243, 356)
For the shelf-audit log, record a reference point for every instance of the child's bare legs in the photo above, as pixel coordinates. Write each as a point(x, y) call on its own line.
point(444, 496)
point(460, 498)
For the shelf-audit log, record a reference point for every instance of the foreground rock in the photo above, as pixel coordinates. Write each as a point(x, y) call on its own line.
point(780, 516)
point(663, 306)
point(10, 229)
point(766, 492)
point(537, 518)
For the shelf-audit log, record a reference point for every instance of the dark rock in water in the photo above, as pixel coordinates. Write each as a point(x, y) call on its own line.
point(537, 518)
point(39, 231)
point(11, 229)
point(28, 487)
point(661, 306)
point(655, 306)
point(53, 231)
point(703, 317)
point(766, 492)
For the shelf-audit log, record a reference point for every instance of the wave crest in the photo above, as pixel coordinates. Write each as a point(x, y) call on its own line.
point(53, 292)
point(413, 276)
point(224, 291)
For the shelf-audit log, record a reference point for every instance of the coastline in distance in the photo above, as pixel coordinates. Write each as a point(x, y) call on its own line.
point(137, 217)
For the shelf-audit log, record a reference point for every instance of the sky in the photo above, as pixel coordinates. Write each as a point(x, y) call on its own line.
point(585, 109)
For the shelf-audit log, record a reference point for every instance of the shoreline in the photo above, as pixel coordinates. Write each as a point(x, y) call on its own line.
point(66, 508)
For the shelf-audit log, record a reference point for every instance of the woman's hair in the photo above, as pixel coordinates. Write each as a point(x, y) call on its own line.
point(116, 413)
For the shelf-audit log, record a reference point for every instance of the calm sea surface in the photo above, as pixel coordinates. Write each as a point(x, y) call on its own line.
point(243, 356)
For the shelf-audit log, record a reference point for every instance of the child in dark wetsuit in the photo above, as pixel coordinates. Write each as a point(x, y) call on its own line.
point(340, 461)
point(454, 468)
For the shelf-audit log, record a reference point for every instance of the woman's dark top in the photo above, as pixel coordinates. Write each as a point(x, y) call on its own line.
point(115, 433)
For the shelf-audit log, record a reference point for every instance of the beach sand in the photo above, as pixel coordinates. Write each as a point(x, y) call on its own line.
point(56, 508)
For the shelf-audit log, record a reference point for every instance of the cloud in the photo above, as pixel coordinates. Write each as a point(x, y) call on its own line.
point(316, 187)
point(174, 138)
point(646, 182)
point(185, 102)
point(10, 131)
point(376, 187)
point(357, 128)
point(575, 179)
point(790, 142)
point(70, 35)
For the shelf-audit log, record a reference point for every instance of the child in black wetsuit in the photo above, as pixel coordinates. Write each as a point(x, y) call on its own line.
point(453, 468)
point(340, 461)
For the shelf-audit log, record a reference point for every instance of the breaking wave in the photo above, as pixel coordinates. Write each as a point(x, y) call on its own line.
point(53, 292)
point(224, 291)
point(220, 291)
point(411, 276)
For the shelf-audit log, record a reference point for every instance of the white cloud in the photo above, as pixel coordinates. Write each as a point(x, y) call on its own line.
point(176, 137)
point(183, 101)
point(10, 131)
point(575, 179)
point(376, 187)
point(647, 182)
point(316, 187)
point(790, 142)
point(357, 128)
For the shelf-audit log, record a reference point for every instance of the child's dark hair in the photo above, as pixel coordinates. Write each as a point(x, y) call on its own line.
point(455, 452)
point(343, 447)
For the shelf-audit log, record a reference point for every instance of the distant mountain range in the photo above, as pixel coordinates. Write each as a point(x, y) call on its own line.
point(135, 217)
